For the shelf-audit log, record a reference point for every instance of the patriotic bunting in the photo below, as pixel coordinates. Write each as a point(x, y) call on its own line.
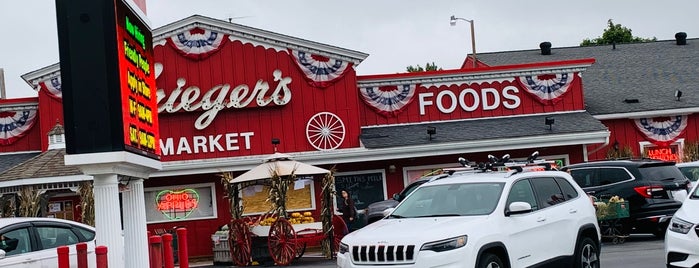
point(52, 87)
point(198, 44)
point(662, 132)
point(320, 71)
point(549, 88)
point(15, 124)
point(389, 100)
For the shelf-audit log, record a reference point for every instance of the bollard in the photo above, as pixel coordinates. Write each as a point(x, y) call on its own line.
point(81, 248)
point(101, 256)
point(169, 258)
point(182, 250)
point(156, 251)
point(63, 257)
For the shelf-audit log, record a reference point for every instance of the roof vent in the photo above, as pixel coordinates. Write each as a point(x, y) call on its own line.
point(631, 100)
point(57, 138)
point(545, 48)
point(681, 38)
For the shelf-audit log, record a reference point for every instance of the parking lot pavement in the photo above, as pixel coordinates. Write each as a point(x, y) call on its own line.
point(309, 259)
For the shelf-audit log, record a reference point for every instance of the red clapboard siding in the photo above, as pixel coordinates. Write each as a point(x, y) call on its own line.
point(571, 101)
point(235, 64)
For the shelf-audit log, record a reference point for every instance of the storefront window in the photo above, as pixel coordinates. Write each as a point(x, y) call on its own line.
point(365, 187)
point(672, 152)
point(300, 196)
point(180, 202)
point(60, 209)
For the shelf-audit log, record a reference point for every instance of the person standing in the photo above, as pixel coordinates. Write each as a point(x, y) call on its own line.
point(349, 211)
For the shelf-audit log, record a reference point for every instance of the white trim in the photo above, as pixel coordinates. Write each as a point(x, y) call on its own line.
point(474, 119)
point(33, 78)
point(119, 162)
point(45, 180)
point(650, 113)
point(468, 76)
point(214, 204)
point(202, 166)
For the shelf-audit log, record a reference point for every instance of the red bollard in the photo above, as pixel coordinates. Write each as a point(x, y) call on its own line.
point(81, 248)
point(169, 258)
point(156, 251)
point(63, 257)
point(101, 256)
point(182, 251)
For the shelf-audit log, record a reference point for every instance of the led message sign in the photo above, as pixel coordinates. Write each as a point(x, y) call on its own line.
point(137, 82)
point(670, 153)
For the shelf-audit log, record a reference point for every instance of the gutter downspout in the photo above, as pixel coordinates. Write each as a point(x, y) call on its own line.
point(586, 154)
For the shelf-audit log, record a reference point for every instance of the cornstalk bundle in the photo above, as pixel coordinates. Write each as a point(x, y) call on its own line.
point(277, 192)
point(87, 202)
point(8, 206)
point(29, 202)
point(327, 194)
point(233, 195)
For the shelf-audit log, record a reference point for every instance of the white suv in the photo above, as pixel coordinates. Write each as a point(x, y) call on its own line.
point(488, 219)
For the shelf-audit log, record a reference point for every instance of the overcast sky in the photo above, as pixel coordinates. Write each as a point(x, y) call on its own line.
point(395, 33)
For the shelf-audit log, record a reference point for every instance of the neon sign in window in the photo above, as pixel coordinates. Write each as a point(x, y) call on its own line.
point(177, 204)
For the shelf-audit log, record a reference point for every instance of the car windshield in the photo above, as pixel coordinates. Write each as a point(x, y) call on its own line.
point(692, 173)
point(464, 199)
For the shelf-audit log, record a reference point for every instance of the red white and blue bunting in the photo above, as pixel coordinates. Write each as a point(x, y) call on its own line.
point(52, 87)
point(320, 71)
point(198, 44)
point(662, 132)
point(549, 88)
point(15, 124)
point(389, 100)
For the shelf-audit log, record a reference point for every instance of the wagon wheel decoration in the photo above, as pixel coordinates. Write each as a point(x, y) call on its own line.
point(325, 131)
point(282, 242)
point(339, 231)
point(239, 239)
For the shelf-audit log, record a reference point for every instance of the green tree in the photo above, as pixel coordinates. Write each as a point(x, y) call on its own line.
point(428, 67)
point(615, 34)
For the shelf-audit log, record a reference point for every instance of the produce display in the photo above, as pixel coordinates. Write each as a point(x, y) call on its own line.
point(296, 218)
point(613, 208)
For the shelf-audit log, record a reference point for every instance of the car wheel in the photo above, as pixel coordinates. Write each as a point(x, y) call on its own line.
point(660, 230)
point(587, 254)
point(489, 260)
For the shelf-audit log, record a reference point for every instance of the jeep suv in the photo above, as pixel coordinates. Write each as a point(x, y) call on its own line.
point(482, 219)
point(654, 189)
point(374, 211)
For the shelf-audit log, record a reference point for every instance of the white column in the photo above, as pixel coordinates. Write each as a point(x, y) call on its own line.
point(108, 217)
point(133, 204)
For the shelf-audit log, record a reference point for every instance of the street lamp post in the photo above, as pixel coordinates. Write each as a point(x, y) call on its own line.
point(473, 37)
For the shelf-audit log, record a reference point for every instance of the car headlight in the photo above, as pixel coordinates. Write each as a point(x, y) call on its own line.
point(680, 226)
point(344, 248)
point(446, 244)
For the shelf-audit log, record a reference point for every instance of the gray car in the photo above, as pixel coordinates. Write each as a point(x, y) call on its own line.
point(374, 211)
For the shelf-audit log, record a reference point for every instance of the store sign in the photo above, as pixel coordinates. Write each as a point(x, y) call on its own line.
point(206, 144)
point(670, 153)
point(470, 100)
point(137, 81)
point(222, 96)
point(177, 204)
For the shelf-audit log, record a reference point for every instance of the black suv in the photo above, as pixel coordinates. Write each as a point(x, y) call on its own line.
point(653, 189)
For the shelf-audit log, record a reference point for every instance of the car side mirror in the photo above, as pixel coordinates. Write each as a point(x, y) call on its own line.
point(518, 208)
point(396, 197)
point(2, 254)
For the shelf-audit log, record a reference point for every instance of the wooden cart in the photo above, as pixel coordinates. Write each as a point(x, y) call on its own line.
point(285, 241)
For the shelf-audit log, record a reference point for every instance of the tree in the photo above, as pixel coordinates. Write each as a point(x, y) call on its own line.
point(615, 34)
point(428, 67)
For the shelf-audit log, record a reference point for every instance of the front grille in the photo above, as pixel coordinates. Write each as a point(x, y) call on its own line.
point(383, 254)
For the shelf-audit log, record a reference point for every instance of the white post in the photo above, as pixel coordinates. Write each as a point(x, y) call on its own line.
point(108, 218)
point(135, 232)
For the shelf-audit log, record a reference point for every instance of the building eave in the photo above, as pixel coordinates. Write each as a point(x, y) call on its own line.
point(647, 114)
point(46, 180)
point(258, 35)
point(35, 77)
point(205, 166)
